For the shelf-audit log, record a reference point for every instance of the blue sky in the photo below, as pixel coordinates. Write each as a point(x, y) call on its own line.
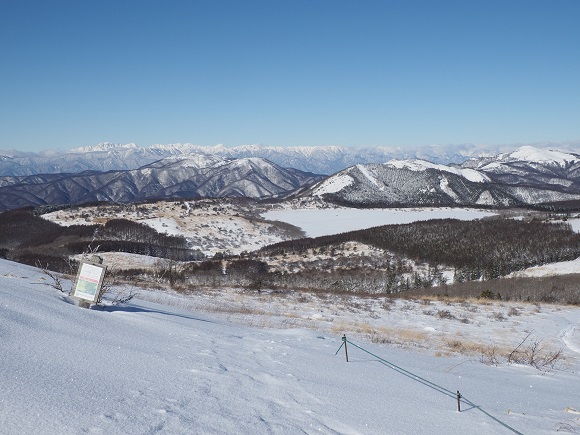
point(288, 73)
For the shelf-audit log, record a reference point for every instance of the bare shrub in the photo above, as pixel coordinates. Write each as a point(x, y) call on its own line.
point(498, 316)
point(471, 307)
point(56, 280)
point(378, 338)
point(110, 281)
point(533, 353)
point(455, 345)
point(303, 299)
point(445, 314)
point(124, 296)
point(513, 311)
point(488, 355)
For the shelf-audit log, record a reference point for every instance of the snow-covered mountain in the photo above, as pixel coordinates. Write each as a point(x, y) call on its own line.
point(316, 159)
point(533, 167)
point(186, 177)
point(409, 183)
point(523, 177)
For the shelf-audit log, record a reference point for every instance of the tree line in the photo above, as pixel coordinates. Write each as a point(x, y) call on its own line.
point(478, 249)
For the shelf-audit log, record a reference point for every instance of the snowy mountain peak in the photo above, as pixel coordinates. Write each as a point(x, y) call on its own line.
point(103, 146)
point(196, 160)
point(253, 160)
point(535, 155)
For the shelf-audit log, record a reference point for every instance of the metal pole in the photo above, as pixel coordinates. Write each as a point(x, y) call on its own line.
point(345, 350)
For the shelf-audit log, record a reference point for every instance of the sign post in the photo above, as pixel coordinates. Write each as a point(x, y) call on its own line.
point(89, 281)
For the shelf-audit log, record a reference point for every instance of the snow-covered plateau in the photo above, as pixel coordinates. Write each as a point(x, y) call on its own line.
point(171, 364)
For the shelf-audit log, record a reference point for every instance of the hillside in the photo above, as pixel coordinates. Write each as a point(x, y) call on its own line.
point(175, 370)
point(195, 176)
point(525, 177)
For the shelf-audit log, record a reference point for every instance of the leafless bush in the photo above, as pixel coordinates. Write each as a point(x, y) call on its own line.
point(470, 307)
point(533, 353)
point(488, 355)
point(498, 316)
point(56, 280)
point(445, 314)
point(110, 281)
point(377, 338)
point(456, 345)
point(124, 296)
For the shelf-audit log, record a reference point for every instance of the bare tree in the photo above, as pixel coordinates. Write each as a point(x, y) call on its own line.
point(56, 280)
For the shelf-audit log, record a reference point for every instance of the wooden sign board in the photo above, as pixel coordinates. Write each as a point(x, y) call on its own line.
point(89, 281)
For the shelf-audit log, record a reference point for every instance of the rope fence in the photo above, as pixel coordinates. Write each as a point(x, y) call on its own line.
point(455, 395)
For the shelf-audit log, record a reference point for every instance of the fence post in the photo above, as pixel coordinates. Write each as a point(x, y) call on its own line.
point(458, 401)
point(345, 350)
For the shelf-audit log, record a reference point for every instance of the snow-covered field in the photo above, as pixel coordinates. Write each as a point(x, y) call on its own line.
point(550, 269)
point(170, 368)
point(575, 223)
point(322, 222)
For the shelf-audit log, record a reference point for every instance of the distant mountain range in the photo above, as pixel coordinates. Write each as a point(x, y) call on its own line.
point(186, 177)
point(527, 176)
point(316, 159)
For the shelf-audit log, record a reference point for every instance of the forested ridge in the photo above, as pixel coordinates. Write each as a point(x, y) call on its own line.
point(480, 249)
point(30, 239)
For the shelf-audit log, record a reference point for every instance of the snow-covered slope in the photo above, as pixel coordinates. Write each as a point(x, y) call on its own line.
point(421, 165)
point(533, 167)
point(191, 176)
point(149, 368)
point(534, 155)
point(410, 183)
point(526, 176)
point(107, 156)
point(317, 159)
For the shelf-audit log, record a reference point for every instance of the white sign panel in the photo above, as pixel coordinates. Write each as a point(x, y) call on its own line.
point(89, 281)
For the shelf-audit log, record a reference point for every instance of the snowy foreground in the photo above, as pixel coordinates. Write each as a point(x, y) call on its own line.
point(146, 368)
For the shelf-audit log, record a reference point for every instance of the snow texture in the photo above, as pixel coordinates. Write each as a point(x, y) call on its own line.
point(535, 155)
point(333, 184)
point(323, 222)
point(157, 369)
point(551, 269)
point(421, 165)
